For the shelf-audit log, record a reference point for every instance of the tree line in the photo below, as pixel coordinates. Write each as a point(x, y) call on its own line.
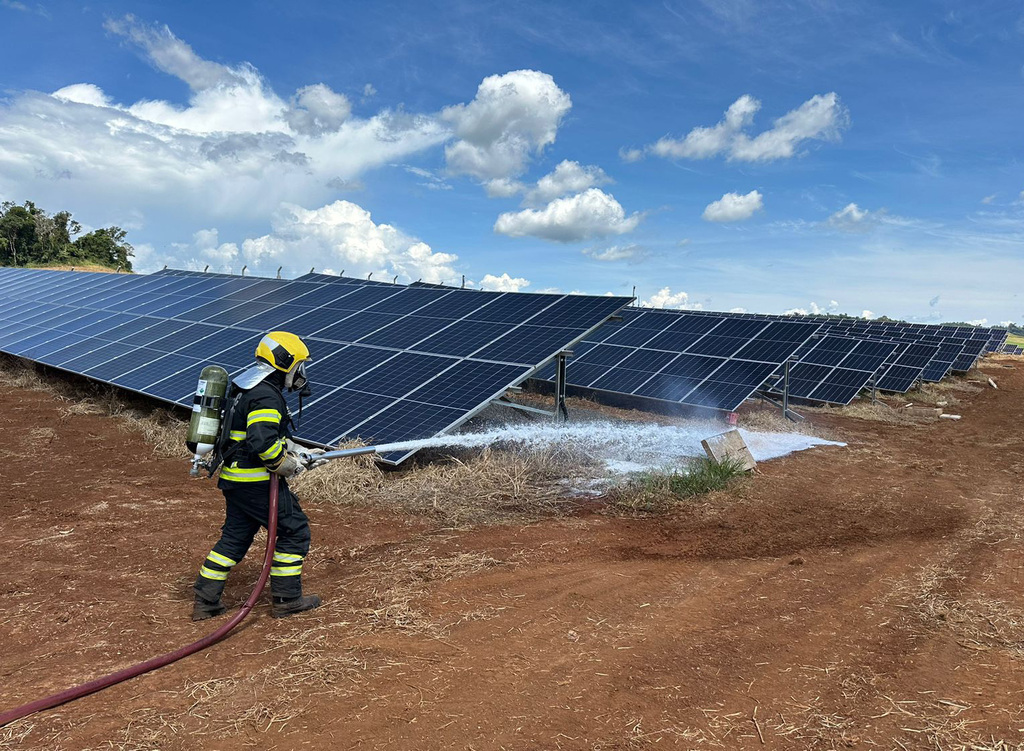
point(29, 236)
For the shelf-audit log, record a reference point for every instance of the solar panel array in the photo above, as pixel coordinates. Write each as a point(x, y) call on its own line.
point(715, 362)
point(1012, 349)
point(845, 356)
point(391, 363)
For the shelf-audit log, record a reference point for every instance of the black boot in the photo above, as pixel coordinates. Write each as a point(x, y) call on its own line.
point(204, 609)
point(283, 608)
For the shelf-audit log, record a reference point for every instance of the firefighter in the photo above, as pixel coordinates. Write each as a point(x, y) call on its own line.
point(259, 443)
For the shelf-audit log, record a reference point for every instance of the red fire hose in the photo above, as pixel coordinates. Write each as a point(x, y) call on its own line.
point(158, 662)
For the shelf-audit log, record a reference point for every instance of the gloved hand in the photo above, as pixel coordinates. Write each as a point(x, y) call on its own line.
point(314, 462)
point(290, 466)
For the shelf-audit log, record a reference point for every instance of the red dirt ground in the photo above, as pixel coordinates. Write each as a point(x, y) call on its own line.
point(860, 597)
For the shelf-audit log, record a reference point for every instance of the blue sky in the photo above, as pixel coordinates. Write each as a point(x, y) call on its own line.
point(718, 154)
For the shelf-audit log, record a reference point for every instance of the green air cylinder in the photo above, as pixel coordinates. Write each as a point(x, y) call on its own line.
point(204, 427)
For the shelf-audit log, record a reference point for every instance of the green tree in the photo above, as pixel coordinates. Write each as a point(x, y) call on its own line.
point(30, 236)
point(105, 246)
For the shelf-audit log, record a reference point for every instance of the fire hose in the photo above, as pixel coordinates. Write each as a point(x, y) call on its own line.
point(62, 697)
point(158, 662)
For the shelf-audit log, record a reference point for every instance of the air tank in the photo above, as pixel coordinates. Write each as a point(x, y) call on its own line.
point(204, 427)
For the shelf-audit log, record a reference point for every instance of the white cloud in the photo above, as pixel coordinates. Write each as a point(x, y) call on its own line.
point(503, 283)
point(567, 178)
point(369, 90)
point(665, 298)
point(850, 218)
point(934, 301)
point(813, 309)
point(503, 187)
point(822, 117)
point(733, 207)
point(701, 143)
point(316, 109)
point(737, 310)
point(866, 314)
point(339, 235)
point(235, 152)
point(616, 253)
point(512, 118)
point(588, 215)
point(979, 322)
point(988, 199)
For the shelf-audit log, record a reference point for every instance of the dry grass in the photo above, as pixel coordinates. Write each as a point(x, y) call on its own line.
point(161, 428)
point(472, 487)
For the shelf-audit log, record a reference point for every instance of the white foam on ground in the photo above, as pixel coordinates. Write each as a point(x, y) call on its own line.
point(623, 447)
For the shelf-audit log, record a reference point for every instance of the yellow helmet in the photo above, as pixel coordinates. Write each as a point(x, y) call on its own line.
point(282, 350)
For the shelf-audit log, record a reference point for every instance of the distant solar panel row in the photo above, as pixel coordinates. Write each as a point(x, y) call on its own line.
point(391, 363)
point(701, 361)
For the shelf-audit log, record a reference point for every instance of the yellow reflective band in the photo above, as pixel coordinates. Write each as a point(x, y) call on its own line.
point(273, 452)
point(223, 560)
point(285, 570)
point(209, 573)
point(286, 557)
point(263, 415)
point(237, 435)
point(235, 474)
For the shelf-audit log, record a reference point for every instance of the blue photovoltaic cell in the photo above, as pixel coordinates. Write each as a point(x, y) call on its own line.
point(98, 356)
point(406, 420)
point(622, 380)
point(631, 337)
point(401, 375)
point(510, 308)
point(583, 374)
point(462, 338)
point(158, 369)
point(356, 326)
point(456, 304)
point(528, 344)
point(467, 384)
point(604, 354)
point(345, 364)
point(321, 417)
point(403, 333)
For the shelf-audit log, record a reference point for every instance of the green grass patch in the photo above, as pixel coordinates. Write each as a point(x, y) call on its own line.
point(651, 492)
point(1015, 339)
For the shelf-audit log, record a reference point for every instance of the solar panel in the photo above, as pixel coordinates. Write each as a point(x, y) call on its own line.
point(401, 357)
point(715, 362)
point(835, 368)
point(907, 369)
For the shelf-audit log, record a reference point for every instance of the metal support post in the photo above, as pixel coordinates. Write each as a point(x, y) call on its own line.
point(561, 411)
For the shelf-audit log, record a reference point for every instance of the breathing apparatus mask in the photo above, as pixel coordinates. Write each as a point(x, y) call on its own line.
point(296, 380)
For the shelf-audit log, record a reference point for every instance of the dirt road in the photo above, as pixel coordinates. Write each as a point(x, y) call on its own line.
point(862, 597)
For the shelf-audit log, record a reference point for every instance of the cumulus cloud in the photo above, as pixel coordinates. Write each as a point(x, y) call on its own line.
point(822, 117)
point(733, 207)
point(503, 283)
point(665, 298)
point(585, 216)
point(866, 314)
point(979, 322)
point(235, 151)
point(737, 310)
point(512, 118)
point(340, 235)
point(567, 178)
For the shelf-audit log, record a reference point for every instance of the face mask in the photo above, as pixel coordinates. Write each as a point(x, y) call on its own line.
point(296, 380)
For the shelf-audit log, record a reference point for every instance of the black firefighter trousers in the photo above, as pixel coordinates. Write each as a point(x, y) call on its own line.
point(248, 509)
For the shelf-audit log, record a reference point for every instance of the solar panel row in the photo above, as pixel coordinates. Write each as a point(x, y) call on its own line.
point(391, 363)
point(712, 362)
